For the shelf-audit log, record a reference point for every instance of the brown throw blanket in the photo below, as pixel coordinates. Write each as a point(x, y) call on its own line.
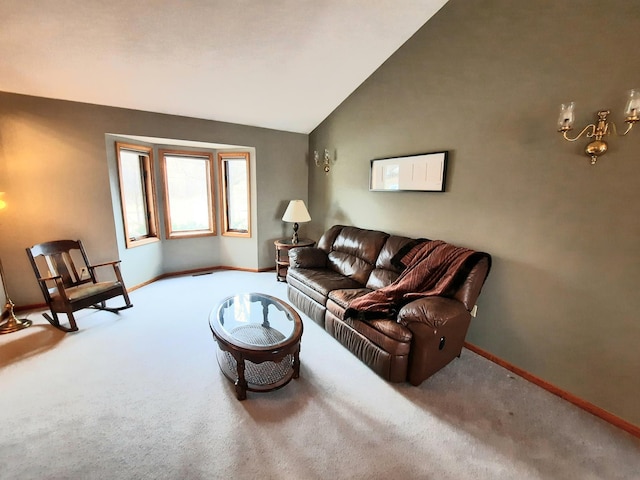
point(433, 267)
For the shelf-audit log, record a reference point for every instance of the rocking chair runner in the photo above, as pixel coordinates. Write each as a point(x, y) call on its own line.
point(68, 282)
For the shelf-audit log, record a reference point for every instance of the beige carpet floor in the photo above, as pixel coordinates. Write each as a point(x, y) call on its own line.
point(140, 396)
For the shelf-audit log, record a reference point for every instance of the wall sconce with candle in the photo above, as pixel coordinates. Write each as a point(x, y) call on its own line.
point(325, 161)
point(598, 147)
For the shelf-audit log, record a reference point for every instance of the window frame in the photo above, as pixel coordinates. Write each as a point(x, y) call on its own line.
point(145, 154)
point(170, 234)
point(223, 159)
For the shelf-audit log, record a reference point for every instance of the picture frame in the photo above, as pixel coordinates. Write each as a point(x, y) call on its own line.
point(424, 172)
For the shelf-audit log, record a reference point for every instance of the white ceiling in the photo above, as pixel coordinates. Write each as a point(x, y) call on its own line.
point(283, 64)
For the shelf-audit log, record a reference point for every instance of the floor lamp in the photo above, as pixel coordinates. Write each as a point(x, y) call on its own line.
point(12, 324)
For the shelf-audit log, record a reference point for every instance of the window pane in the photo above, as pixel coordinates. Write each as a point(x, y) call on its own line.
point(237, 182)
point(188, 193)
point(134, 195)
point(234, 193)
point(137, 194)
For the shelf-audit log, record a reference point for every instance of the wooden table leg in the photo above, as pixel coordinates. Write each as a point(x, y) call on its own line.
point(241, 382)
point(296, 363)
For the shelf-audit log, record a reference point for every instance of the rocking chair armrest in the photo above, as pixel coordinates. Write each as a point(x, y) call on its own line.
point(116, 268)
point(59, 286)
point(104, 264)
point(46, 279)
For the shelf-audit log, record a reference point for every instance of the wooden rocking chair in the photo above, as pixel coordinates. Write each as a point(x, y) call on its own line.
point(68, 282)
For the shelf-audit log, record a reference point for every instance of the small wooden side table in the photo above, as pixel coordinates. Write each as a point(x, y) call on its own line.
point(282, 255)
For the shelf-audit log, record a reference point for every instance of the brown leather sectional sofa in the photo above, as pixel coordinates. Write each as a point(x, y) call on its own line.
point(348, 262)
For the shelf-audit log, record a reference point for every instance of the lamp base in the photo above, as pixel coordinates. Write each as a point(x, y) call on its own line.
point(294, 239)
point(14, 324)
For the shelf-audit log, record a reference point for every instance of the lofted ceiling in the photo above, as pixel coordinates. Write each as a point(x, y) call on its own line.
point(282, 64)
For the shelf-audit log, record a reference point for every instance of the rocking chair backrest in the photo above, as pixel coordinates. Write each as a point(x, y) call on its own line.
point(58, 258)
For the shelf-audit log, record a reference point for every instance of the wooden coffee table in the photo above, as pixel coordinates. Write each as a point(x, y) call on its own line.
point(259, 341)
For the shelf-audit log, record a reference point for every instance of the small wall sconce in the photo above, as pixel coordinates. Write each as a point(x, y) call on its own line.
point(598, 146)
point(326, 161)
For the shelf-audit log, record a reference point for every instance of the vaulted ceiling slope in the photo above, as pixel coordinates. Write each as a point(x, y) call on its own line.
point(282, 64)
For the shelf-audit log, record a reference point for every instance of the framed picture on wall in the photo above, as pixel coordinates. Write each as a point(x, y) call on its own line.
point(418, 173)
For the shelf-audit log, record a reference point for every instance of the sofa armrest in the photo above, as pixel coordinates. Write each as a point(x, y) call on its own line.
point(438, 326)
point(307, 257)
point(434, 312)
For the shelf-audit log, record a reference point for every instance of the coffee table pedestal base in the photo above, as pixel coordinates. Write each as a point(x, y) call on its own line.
point(250, 375)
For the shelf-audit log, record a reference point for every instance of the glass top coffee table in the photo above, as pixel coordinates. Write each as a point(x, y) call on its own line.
point(259, 341)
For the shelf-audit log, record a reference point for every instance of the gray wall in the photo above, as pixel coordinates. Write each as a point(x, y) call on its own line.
point(483, 79)
point(57, 167)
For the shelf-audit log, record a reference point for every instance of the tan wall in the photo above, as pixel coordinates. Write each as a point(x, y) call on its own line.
point(484, 80)
point(57, 169)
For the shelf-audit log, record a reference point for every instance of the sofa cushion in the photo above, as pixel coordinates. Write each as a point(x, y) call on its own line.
point(385, 271)
point(318, 283)
point(307, 257)
point(326, 241)
point(470, 290)
point(354, 252)
point(343, 296)
point(386, 334)
point(379, 331)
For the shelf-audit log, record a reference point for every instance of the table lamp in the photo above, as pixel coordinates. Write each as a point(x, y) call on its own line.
point(296, 212)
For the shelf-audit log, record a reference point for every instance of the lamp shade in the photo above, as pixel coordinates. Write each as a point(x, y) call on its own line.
point(296, 212)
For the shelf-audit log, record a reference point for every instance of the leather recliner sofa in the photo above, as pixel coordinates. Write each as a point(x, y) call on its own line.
point(426, 334)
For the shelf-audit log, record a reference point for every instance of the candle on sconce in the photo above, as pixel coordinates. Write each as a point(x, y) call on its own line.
point(566, 118)
point(632, 110)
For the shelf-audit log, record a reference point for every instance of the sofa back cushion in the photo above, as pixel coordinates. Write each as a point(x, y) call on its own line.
point(470, 290)
point(326, 241)
point(354, 251)
point(365, 256)
point(385, 272)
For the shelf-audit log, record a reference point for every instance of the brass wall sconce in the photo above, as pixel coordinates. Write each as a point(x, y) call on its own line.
point(325, 161)
point(598, 147)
